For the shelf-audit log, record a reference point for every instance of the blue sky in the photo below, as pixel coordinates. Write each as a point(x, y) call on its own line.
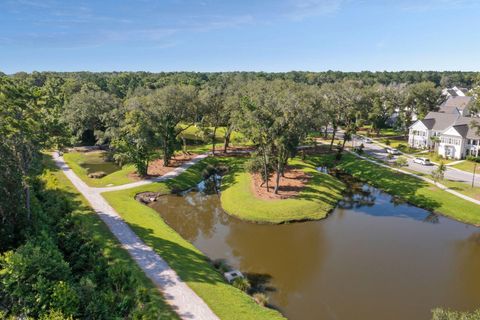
point(223, 35)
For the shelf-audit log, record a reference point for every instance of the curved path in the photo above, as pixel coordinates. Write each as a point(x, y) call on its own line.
point(183, 300)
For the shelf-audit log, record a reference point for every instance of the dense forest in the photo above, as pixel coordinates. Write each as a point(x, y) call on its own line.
point(49, 266)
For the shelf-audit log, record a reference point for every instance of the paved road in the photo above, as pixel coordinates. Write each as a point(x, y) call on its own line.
point(184, 301)
point(379, 152)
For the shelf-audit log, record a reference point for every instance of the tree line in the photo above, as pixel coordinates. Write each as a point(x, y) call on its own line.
point(50, 265)
point(275, 115)
point(140, 117)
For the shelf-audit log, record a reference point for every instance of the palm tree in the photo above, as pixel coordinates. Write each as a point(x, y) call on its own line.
point(439, 173)
point(436, 141)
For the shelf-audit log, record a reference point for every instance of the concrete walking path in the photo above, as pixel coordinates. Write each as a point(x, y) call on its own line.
point(454, 163)
point(172, 174)
point(183, 300)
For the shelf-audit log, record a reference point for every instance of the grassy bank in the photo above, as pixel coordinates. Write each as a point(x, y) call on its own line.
point(191, 265)
point(80, 162)
point(461, 187)
point(411, 189)
point(468, 166)
point(315, 201)
point(55, 180)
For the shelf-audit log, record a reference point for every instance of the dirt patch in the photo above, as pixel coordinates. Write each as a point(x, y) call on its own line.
point(156, 168)
point(290, 185)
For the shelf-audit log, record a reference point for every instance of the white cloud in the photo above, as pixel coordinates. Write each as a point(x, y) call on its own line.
point(308, 8)
point(427, 5)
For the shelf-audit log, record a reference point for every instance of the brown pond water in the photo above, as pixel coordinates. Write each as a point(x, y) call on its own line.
point(371, 258)
point(95, 161)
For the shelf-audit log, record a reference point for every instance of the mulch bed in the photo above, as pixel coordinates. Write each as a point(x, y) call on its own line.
point(290, 185)
point(156, 168)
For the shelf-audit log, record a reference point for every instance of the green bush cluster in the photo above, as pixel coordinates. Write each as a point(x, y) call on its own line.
point(59, 271)
point(473, 158)
point(441, 314)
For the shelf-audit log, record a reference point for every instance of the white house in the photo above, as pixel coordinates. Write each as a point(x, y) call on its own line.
point(456, 135)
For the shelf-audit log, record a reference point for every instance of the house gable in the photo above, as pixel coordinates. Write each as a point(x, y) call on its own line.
point(451, 131)
point(419, 125)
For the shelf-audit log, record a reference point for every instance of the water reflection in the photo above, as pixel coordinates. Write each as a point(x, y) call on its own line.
point(373, 258)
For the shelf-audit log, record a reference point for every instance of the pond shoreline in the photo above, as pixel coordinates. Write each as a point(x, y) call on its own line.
point(259, 248)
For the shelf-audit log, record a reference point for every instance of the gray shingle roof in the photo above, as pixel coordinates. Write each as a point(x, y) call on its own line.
point(465, 126)
point(462, 129)
point(457, 102)
point(439, 121)
point(449, 109)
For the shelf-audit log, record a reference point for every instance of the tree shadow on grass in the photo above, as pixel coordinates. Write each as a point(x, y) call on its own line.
point(332, 189)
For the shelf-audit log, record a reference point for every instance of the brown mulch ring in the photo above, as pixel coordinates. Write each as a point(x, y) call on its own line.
point(290, 185)
point(156, 168)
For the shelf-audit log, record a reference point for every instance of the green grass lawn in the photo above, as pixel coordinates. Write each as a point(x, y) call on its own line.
point(191, 265)
point(468, 166)
point(461, 187)
point(315, 201)
point(411, 189)
point(111, 248)
point(385, 132)
point(396, 143)
point(83, 163)
point(194, 133)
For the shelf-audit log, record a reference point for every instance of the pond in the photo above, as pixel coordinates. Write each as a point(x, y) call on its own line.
point(95, 161)
point(372, 258)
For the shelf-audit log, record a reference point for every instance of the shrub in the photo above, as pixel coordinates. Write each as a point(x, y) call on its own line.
point(473, 158)
point(260, 298)
point(387, 142)
point(441, 314)
point(439, 173)
point(32, 278)
point(60, 272)
point(242, 284)
point(401, 161)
